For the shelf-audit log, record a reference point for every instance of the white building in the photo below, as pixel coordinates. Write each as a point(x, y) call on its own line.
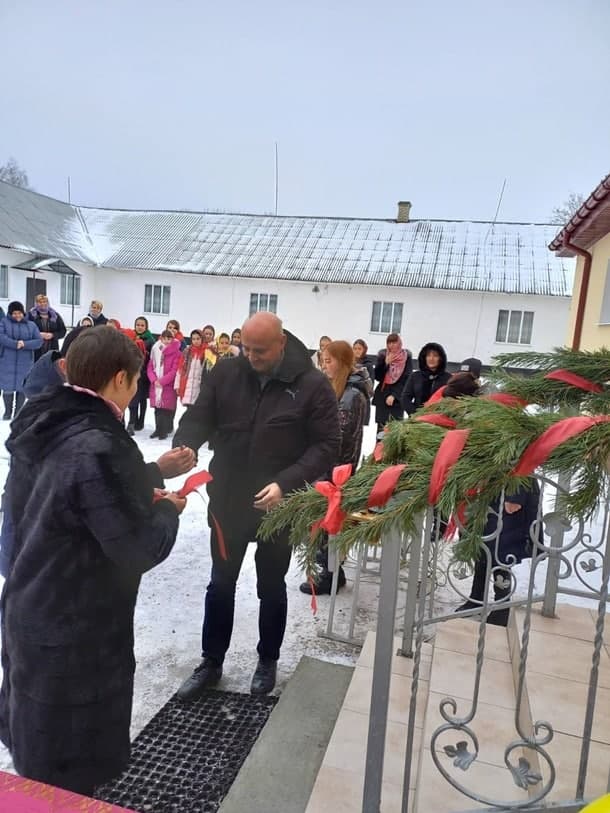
point(477, 288)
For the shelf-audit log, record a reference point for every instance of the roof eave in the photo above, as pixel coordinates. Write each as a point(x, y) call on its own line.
point(587, 224)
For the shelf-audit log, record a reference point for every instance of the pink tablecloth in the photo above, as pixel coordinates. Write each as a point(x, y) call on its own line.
point(19, 795)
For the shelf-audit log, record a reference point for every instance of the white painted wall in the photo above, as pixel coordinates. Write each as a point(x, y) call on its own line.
point(463, 322)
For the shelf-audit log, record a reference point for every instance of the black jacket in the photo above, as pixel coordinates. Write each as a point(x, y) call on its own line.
point(423, 382)
point(515, 540)
point(383, 412)
point(353, 409)
point(85, 529)
point(287, 433)
point(54, 324)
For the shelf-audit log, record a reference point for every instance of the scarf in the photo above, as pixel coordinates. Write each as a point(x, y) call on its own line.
point(45, 313)
point(114, 408)
point(146, 336)
point(397, 365)
point(189, 356)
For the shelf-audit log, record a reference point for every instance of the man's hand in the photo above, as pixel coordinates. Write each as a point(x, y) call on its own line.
point(176, 461)
point(268, 497)
point(390, 400)
point(179, 502)
point(512, 507)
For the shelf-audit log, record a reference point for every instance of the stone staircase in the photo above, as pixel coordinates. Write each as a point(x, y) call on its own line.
point(557, 675)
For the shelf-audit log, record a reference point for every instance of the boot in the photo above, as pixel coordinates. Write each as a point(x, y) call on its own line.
point(131, 429)
point(205, 676)
point(323, 583)
point(263, 680)
point(8, 405)
point(155, 434)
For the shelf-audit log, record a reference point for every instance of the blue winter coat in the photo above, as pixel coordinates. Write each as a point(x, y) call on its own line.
point(16, 364)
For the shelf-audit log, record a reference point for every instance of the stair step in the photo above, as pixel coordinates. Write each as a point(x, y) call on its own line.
point(557, 677)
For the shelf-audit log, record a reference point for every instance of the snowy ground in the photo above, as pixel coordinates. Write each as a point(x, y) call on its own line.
point(169, 611)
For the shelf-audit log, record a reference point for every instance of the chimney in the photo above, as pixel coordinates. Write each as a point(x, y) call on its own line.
point(404, 210)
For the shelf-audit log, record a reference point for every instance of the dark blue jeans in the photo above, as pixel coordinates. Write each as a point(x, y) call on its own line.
point(272, 560)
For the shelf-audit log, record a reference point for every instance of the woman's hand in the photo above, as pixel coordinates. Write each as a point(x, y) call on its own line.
point(178, 502)
point(20, 344)
point(390, 400)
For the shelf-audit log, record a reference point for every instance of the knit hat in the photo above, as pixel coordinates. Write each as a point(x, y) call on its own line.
point(15, 306)
point(472, 366)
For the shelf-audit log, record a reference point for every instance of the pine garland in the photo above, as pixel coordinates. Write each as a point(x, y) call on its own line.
point(498, 437)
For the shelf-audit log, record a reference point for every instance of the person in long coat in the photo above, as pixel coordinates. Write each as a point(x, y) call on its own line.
point(137, 408)
point(19, 338)
point(393, 367)
point(431, 376)
point(85, 529)
point(49, 323)
point(162, 368)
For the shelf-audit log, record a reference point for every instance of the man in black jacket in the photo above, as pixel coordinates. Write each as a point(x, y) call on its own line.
point(273, 420)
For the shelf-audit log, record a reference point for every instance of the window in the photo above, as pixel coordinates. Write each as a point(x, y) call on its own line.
point(69, 293)
point(515, 327)
point(3, 281)
point(386, 317)
point(604, 316)
point(156, 299)
point(263, 302)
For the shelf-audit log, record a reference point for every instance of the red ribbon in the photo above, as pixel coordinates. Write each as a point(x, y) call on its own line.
point(220, 538)
point(192, 483)
point(435, 397)
point(384, 486)
point(314, 600)
point(540, 450)
point(437, 420)
point(335, 516)
point(506, 399)
point(378, 452)
point(447, 456)
point(574, 380)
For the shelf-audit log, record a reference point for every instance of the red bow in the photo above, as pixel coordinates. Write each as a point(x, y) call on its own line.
point(378, 452)
point(384, 486)
point(437, 420)
point(506, 399)
point(574, 380)
point(435, 397)
point(540, 450)
point(446, 457)
point(335, 516)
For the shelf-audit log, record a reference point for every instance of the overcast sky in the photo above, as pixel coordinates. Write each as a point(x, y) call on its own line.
point(178, 104)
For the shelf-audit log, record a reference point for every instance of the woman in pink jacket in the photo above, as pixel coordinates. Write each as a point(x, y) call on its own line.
point(162, 369)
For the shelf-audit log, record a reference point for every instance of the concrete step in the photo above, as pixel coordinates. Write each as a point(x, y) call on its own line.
point(279, 773)
point(557, 678)
point(340, 781)
point(452, 676)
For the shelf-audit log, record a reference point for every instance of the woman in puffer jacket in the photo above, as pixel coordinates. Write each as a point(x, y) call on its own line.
point(353, 388)
point(19, 338)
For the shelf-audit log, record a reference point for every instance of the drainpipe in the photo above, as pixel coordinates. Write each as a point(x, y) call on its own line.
point(584, 290)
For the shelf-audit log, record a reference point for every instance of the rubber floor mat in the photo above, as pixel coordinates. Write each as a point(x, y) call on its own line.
point(187, 757)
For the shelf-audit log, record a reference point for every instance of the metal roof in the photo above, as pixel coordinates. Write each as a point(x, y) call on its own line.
point(588, 224)
point(454, 255)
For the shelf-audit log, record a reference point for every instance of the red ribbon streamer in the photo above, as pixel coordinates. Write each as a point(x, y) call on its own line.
point(447, 456)
point(222, 548)
point(435, 397)
point(540, 450)
point(314, 600)
point(506, 399)
point(574, 380)
point(384, 486)
point(192, 483)
point(378, 452)
point(335, 516)
point(437, 420)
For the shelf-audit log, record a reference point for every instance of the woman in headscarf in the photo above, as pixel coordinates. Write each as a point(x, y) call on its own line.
point(49, 323)
point(393, 367)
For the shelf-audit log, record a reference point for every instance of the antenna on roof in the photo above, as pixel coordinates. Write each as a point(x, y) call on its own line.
point(276, 177)
point(499, 201)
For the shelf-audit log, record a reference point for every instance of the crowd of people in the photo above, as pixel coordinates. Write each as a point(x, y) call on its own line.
point(85, 517)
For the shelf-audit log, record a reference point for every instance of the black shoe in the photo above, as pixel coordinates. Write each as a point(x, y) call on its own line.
point(323, 583)
point(6, 417)
point(162, 437)
point(468, 605)
point(138, 426)
point(263, 680)
point(204, 676)
point(155, 434)
point(130, 430)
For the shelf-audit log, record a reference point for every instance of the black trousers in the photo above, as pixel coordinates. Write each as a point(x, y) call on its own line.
point(479, 582)
point(164, 421)
point(137, 407)
point(19, 399)
point(272, 561)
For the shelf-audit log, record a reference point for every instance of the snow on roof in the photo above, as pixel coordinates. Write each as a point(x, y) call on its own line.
point(447, 254)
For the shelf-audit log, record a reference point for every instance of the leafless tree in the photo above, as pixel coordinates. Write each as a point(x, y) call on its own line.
point(561, 214)
point(12, 173)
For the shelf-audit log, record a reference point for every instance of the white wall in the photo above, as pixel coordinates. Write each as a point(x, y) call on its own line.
point(464, 322)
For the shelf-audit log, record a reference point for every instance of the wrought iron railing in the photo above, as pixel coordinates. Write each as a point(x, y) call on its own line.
point(574, 556)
